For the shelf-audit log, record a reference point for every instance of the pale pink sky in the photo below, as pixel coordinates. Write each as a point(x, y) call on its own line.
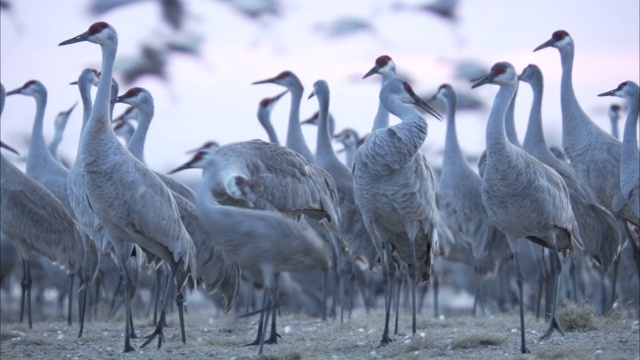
point(211, 97)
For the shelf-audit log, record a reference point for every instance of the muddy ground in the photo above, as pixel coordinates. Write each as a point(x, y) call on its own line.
point(213, 335)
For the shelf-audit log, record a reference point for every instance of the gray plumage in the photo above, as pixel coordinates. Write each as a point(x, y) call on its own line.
point(459, 199)
point(215, 268)
point(614, 117)
point(263, 242)
point(263, 175)
point(630, 158)
point(594, 154)
point(395, 187)
point(598, 228)
point(36, 221)
point(543, 212)
point(295, 138)
point(130, 201)
point(351, 230)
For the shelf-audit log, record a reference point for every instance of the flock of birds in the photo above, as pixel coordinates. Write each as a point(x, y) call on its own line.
point(263, 208)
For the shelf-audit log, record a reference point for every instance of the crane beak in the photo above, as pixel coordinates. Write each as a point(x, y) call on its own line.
point(277, 97)
point(185, 166)
point(374, 70)
point(421, 103)
point(311, 95)
point(71, 109)
point(118, 99)
point(483, 80)
point(15, 91)
point(265, 81)
point(546, 44)
point(9, 148)
point(609, 93)
point(79, 38)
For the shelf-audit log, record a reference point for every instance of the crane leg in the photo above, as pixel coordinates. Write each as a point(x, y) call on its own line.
point(180, 305)
point(436, 286)
point(556, 266)
point(388, 274)
point(82, 302)
point(163, 312)
point(260, 323)
point(125, 284)
point(266, 310)
point(26, 291)
point(70, 305)
point(325, 285)
point(273, 338)
point(479, 298)
point(542, 268)
point(413, 282)
point(513, 243)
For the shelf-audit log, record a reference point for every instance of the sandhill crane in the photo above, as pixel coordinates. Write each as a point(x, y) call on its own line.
point(59, 124)
point(386, 68)
point(629, 159)
point(395, 191)
point(460, 202)
point(599, 230)
point(350, 140)
point(264, 115)
point(146, 213)
point(295, 138)
point(36, 221)
point(214, 261)
point(270, 243)
point(351, 231)
point(267, 176)
point(614, 117)
point(48, 171)
point(543, 212)
point(594, 154)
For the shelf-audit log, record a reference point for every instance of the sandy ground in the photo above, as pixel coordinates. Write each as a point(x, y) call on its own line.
point(213, 335)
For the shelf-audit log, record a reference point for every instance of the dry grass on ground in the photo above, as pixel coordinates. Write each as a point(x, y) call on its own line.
point(222, 337)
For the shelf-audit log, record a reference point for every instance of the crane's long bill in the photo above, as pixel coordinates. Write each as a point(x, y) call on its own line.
point(79, 38)
point(546, 44)
point(265, 81)
point(181, 168)
point(421, 103)
point(9, 148)
point(483, 80)
point(374, 70)
point(609, 93)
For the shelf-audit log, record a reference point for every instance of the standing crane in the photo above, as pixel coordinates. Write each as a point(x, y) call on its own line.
point(459, 202)
point(130, 201)
point(263, 242)
point(352, 231)
point(542, 211)
point(215, 267)
point(594, 154)
point(629, 159)
point(48, 171)
point(395, 191)
point(386, 68)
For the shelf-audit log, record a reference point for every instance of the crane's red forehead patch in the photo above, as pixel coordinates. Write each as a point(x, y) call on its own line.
point(29, 83)
point(265, 102)
point(284, 74)
point(560, 34)
point(133, 92)
point(383, 60)
point(98, 27)
point(622, 85)
point(615, 107)
point(499, 68)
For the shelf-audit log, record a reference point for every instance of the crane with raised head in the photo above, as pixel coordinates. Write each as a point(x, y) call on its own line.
point(542, 211)
point(130, 201)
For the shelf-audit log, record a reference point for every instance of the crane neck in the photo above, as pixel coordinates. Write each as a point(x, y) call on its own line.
point(324, 147)
point(614, 127)
point(265, 121)
point(452, 150)
point(630, 153)
point(381, 120)
point(496, 137)
point(98, 133)
point(295, 138)
point(55, 143)
point(534, 137)
point(350, 155)
point(137, 141)
point(510, 121)
point(38, 151)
